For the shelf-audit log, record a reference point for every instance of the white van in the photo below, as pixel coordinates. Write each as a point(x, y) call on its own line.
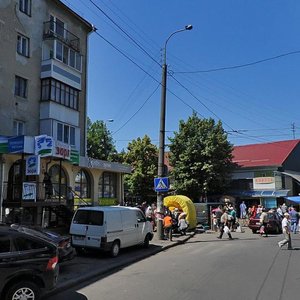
point(109, 228)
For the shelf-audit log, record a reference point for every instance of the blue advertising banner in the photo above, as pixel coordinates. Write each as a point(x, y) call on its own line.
point(33, 165)
point(16, 144)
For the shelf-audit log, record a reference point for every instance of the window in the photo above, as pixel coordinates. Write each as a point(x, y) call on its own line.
point(23, 244)
point(89, 217)
point(4, 244)
point(60, 93)
point(25, 6)
point(21, 87)
point(59, 50)
point(72, 136)
point(65, 134)
point(57, 26)
point(82, 184)
point(107, 185)
point(18, 127)
point(23, 45)
point(59, 132)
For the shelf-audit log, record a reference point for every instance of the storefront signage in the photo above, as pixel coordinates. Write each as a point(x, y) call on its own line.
point(264, 183)
point(263, 180)
point(20, 144)
point(43, 145)
point(62, 150)
point(33, 165)
point(29, 191)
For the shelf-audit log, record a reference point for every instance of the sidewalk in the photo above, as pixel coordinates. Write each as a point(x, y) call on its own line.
point(94, 264)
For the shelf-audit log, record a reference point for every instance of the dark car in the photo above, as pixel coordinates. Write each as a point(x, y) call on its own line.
point(63, 243)
point(28, 265)
point(273, 225)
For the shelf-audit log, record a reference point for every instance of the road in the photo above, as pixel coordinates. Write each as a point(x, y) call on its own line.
point(248, 267)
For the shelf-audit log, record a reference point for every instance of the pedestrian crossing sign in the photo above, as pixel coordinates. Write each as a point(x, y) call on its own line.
point(161, 184)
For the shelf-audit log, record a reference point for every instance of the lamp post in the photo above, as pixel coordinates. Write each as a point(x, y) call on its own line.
point(161, 154)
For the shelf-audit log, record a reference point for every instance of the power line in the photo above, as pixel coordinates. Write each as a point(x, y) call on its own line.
point(128, 35)
point(240, 66)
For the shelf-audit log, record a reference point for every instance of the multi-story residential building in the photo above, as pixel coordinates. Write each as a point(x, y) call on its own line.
point(43, 112)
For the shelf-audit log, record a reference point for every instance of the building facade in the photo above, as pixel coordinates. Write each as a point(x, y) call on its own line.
point(267, 174)
point(43, 106)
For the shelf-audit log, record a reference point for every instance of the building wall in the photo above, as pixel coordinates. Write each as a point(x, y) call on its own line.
point(27, 110)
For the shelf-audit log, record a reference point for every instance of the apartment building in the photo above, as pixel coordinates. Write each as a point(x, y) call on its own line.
point(43, 111)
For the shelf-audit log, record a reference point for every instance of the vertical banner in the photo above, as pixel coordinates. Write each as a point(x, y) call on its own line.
point(29, 191)
point(43, 145)
point(33, 165)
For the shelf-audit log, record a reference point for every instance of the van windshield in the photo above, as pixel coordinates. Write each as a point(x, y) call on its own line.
point(89, 217)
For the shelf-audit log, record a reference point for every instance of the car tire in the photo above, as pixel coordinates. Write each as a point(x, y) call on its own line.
point(115, 249)
point(253, 230)
point(27, 289)
point(80, 251)
point(146, 241)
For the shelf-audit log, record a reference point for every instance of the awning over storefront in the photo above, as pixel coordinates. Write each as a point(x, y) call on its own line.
point(295, 199)
point(262, 193)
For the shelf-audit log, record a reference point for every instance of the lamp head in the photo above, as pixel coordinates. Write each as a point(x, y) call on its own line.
point(188, 27)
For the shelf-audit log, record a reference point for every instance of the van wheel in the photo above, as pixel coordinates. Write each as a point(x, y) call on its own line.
point(115, 249)
point(80, 251)
point(146, 242)
point(23, 290)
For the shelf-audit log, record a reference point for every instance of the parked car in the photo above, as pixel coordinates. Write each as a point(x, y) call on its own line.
point(28, 265)
point(62, 242)
point(110, 228)
point(274, 223)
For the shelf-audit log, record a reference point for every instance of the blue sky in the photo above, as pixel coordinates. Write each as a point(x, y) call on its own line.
point(260, 101)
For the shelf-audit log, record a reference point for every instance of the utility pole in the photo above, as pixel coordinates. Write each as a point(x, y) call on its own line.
point(293, 130)
point(161, 154)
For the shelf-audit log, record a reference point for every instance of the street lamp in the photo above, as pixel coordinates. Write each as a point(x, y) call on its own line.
point(161, 154)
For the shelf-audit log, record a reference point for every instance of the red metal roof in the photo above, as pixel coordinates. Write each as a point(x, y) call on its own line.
point(259, 155)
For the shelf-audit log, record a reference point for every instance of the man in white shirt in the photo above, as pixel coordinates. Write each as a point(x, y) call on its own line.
point(286, 225)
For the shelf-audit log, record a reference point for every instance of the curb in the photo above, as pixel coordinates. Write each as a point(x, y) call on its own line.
point(80, 279)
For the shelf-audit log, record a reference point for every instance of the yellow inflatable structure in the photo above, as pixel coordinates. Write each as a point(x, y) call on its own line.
point(186, 205)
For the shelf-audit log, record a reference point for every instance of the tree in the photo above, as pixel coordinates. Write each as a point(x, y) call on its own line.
point(100, 143)
point(142, 155)
point(201, 157)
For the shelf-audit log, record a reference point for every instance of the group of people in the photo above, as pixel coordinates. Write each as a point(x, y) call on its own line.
point(173, 221)
point(224, 219)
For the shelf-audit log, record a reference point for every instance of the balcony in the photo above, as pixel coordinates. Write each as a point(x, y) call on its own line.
point(52, 30)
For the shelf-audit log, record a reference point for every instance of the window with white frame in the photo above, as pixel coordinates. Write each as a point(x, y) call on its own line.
point(20, 87)
point(65, 133)
point(23, 45)
point(25, 6)
point(19, 127)
point(60, 93)
point(57, 26)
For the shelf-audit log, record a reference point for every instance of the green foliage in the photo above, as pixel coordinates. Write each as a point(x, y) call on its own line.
point(201, 157)
point(142, 155)
point(100, 143)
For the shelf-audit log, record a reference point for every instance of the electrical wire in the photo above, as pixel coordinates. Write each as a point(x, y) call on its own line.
point(128, 35)
point(240, 66)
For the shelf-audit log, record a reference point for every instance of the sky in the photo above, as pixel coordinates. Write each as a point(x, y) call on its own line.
point(239, 64)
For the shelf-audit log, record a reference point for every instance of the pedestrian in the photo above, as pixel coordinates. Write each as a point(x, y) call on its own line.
point(70, 199)
point(168, 223)
point(243, 210)
point(263, 220)
point(224, 225)
point(285, 223)
point(294, 217)
point(48, 185)
point(182, 224)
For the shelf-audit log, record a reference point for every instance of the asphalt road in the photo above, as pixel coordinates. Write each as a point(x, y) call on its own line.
point(248, 267)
